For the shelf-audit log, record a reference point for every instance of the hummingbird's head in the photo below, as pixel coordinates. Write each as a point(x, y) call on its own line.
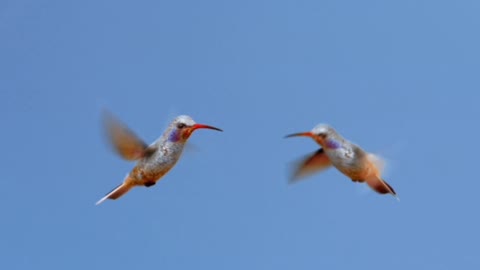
point(321, 133)
point(183, 126)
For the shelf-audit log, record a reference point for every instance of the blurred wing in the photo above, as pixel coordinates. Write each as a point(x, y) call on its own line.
point(378, 161)
point(316, 162)
point(123, 140)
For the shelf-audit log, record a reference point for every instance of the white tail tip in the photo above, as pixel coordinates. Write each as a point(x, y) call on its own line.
point(101, 200)
point(116, 192)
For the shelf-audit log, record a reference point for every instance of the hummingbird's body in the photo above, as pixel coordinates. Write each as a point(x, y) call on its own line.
point(151, 168)
point(348, 158)
point(155, 160)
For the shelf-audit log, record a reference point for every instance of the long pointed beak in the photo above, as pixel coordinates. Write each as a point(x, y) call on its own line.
point(303, 134)
point(197, 126)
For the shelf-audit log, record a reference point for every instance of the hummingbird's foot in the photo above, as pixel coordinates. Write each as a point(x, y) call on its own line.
point(149, 184)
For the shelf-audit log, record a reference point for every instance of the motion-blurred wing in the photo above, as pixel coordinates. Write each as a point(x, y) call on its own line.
point(378, 161)
point(316, 162)
point(123, 140)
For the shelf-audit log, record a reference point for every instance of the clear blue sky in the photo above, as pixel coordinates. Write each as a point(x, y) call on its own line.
point(399, 78)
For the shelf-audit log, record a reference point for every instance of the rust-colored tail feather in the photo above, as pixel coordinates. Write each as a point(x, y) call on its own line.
point(116, 192)
point(380, 186)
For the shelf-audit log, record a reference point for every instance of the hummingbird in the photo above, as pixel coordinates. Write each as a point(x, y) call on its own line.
point(154, 160)
point(351, 160)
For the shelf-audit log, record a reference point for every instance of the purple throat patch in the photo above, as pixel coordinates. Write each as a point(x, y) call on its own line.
point(174, 136)
point(332, 144)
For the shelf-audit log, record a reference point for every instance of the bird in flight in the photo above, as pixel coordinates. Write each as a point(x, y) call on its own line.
point(154, 160)
point(348, 158)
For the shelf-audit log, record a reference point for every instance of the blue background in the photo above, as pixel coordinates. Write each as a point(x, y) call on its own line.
point(400, 78)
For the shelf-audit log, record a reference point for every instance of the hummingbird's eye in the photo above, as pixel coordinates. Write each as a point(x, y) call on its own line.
point(322, 135)
point(181, 125)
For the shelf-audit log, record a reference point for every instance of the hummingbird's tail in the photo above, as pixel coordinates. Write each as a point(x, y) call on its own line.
point(116, 192)
point(380, 186)
point(375, 181)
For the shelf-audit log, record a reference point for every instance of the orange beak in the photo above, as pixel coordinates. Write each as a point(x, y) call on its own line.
point(302, 134)
point(197, 126)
